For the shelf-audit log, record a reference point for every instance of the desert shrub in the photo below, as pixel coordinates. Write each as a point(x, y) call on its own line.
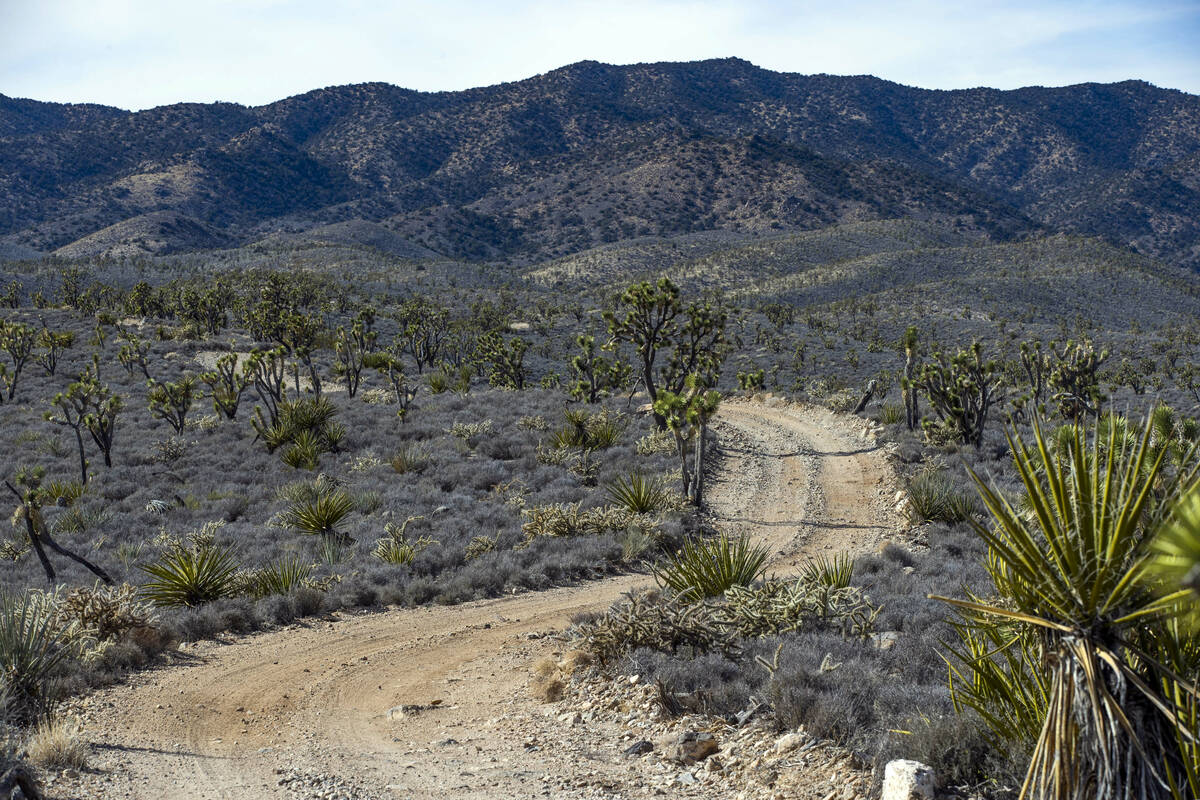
point(656, 442)
point(533, 422)
point(669, 623)
point(102, 613)
point(479, 546)
point(708, 567)
point(471, 432)
point(555, 520)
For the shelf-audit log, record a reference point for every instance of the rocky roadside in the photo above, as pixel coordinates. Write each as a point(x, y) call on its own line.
point(699, 756)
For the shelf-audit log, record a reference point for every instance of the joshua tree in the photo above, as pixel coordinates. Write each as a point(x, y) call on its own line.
point(504, 360)
point(912, 413)
point(17, 339)
point(352, 347)
point(53, 344)
point(424, 327)
point(1076, 381)
point(656, 320)
point(595, 376)
point(31, 497)
point(687, 415)
point(172, 400)
point(962, 391)
point(88, 405)
point(226, 385)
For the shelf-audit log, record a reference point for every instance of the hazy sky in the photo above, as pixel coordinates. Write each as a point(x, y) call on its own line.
point(142, 53)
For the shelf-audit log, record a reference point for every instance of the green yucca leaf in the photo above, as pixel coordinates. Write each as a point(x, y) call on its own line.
point(1176, 549)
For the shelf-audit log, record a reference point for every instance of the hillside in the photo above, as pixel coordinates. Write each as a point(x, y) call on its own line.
point(592, 154)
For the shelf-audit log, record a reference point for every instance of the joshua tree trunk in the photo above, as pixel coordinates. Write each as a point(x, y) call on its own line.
point(697, 495)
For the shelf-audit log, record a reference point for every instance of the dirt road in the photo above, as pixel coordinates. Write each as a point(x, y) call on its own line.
point(433, 702)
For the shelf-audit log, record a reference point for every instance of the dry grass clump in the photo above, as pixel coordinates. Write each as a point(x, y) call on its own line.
point(550, 676)
point(56, 744)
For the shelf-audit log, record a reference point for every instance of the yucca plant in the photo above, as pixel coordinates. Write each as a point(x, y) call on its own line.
point(832, 573)
point(891, 414)
point(639, 493)
point(933, 497)
point(304, 452)
point(707, 567)
point(321, 516)
point(191, 576)
point(396, 547)
point(32, 650)
point(1077, 620)
point(282, 576)
point(410, 458)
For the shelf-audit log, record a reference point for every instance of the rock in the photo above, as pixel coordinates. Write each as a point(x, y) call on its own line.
point(908, 780)
point(788, 742)
point(686, 778)
point(690, 747)
point(639, 748)
point(746, 715)
point(885, 640)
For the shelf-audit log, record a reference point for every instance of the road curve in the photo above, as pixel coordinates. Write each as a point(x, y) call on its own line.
point(314, 699)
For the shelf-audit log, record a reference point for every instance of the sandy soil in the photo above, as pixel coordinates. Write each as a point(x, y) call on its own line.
point(434, 702)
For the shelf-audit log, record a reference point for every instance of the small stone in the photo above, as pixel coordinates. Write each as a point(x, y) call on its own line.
point(690, 747)
point(885, 640)
point(788, 742)
point(639, 748)
point(904, 779)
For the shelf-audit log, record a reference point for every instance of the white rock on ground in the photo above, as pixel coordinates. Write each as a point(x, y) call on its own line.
point(908, 780)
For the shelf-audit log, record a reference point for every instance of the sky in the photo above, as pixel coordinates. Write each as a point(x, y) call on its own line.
point(137, 54)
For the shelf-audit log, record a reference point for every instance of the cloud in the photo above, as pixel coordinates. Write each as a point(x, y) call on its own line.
point(139, 53)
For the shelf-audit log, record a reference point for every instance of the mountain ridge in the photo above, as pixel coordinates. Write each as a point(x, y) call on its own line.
point(496, 172)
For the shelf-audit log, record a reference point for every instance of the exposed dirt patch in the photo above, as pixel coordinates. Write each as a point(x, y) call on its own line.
point(434, 702)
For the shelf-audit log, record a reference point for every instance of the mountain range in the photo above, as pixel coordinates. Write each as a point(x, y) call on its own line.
point(593, 153)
